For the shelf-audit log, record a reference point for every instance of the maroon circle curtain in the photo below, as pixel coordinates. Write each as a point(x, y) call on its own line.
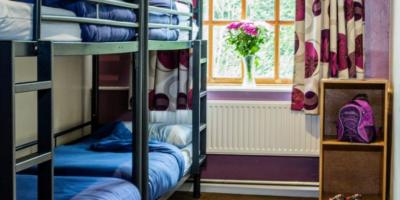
point(329, 44)
point(170, 80)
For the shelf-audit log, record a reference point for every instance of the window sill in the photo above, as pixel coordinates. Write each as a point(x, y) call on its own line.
point(239, 88)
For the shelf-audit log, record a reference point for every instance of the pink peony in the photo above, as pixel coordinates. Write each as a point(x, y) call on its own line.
point(234, 25)
point(250, 29)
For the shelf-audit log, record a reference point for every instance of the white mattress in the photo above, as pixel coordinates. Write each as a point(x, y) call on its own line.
point(187, 155)
point(16, 23)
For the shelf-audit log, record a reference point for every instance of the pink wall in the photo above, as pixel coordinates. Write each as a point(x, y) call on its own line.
point(377, 30)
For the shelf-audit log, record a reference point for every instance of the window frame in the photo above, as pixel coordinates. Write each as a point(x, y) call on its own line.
point(276, 23)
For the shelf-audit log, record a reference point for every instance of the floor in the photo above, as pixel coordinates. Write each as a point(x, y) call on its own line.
point(211, 196)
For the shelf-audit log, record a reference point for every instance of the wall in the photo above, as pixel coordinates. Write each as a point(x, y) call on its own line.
point(71, 98)
point(395, 62)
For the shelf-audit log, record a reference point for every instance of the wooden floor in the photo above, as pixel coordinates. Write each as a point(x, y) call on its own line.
point(211, 196)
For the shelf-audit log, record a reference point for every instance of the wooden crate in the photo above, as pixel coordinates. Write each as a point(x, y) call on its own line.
point(345, 167)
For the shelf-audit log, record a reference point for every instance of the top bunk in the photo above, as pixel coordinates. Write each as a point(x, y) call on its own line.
point(95, 27)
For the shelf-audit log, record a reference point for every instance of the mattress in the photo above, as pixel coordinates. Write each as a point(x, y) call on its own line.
point(16, 23)
point(79, 188)
point(187, 153)
point(79, 160)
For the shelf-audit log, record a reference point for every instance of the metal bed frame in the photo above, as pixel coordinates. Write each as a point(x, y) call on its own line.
point(45, 52)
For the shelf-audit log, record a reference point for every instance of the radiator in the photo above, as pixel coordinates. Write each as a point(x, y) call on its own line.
point(260, 128)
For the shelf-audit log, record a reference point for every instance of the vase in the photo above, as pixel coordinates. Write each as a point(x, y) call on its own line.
point(249, 71)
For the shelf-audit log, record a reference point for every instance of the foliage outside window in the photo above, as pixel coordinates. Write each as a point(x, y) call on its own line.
point(276, 56)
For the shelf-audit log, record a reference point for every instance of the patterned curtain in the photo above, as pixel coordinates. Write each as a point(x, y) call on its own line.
point(329, 44)
point(170, 81)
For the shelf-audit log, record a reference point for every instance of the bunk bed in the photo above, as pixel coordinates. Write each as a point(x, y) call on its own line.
point(35, 40)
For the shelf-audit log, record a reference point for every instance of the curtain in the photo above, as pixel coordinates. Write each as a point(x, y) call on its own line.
point(329, 44)
point(170, 81)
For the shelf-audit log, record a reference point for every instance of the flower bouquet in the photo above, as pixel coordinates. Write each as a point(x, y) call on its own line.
point(246, 39)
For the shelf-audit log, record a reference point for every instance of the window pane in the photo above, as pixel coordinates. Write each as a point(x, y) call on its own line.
point(205, 32)
point(267, 58)
point(286, 48)
point(226, 61)
point(227, 9)
point(205, 9)
point(260, 9)
point(287, 9)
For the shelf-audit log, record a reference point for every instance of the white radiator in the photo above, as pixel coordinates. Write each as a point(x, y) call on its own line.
point(260, 128)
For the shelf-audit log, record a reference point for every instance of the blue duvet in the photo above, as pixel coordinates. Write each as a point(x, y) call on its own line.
point(79, 188)
point(109, 155)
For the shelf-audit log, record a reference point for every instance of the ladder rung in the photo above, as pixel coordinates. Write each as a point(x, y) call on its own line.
point(203, 127)
point(203, 94)
point(32, 160)
point(32, 86)
point(203, 60)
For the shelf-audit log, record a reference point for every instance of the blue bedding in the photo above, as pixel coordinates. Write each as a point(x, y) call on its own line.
point(163, 3)
point(98, 33)
point(107, 154)
point(102, 33)
point(163, 34)
point(163, 19)
point(79, 188)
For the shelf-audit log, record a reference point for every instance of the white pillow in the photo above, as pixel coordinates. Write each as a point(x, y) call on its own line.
point(179, 135)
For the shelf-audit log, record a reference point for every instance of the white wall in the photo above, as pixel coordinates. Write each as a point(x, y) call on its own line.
point(396, 85)
point(71, 95)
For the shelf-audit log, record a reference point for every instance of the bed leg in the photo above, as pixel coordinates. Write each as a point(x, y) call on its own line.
point(196, 186)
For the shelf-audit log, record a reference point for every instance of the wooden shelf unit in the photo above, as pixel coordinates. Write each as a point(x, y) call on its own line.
point(345, 167)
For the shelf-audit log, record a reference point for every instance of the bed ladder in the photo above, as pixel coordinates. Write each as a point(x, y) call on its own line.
point(199, 109)
point(10, 165)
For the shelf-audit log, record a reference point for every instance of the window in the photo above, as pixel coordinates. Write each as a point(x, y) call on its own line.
point(276, 56)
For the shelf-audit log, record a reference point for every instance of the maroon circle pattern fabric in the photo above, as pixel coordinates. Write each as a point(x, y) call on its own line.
point(170, 81)
point(328, 44)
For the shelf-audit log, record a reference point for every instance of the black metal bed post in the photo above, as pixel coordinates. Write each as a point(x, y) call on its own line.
point(7, 123)
point(45, 120)
point(196, 118)
point(140, 107)
point(37, 20)
point(136, 121)
point(191, 21)
point(203, 100)
point(144, 65)
point(200, 18)
point(95, 93)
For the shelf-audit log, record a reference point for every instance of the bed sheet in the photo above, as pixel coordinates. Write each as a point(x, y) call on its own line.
point(187, 153)
point(79, 188)
point(79, 160)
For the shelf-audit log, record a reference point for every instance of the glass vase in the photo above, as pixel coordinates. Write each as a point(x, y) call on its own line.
point(249, 71)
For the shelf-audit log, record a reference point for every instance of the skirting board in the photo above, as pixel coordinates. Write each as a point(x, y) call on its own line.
point(285, 189)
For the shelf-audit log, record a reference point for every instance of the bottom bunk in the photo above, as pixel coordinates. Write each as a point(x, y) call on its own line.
point(108, 153)
point(79, 188)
